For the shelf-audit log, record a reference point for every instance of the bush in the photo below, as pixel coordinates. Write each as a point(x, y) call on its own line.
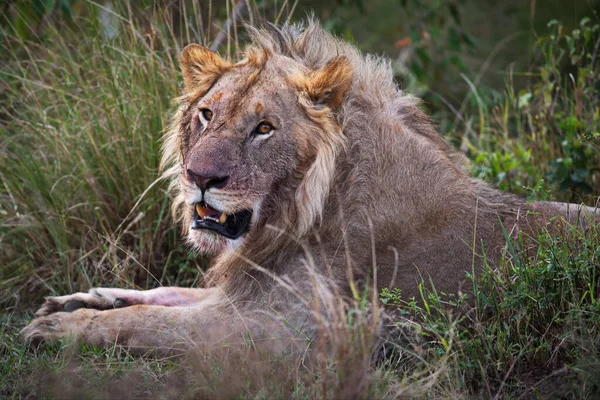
point(549, 131)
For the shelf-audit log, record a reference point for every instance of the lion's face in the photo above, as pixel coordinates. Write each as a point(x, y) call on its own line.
point(240, 145)
point(247, 144)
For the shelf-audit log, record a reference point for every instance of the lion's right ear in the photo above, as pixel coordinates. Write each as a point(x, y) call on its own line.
point(201, 67)
point(327, 86)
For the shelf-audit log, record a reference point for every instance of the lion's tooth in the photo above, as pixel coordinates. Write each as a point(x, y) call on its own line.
point(200, 210)
point(222, 218)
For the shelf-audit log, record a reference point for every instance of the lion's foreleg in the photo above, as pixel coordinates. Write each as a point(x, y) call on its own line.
point(144, 327)
point(110, 298)
point(138, 327)
point(162, 329)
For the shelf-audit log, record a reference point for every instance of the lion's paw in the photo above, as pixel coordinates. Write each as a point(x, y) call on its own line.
point(44, 329)
point(59, 325)
point(98, 299)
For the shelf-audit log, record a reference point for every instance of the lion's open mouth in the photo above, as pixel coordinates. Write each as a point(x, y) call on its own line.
point(231, 226)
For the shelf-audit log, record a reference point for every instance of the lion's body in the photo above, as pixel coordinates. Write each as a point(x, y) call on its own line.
point(354, 185)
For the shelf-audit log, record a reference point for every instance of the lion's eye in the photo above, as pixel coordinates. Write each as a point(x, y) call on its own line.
point(264, 128)
point(206, 114)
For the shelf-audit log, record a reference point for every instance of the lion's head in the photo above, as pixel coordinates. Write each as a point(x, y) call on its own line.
point(254, 142)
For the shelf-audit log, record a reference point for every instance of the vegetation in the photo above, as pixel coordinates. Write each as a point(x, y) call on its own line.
point(85, 96)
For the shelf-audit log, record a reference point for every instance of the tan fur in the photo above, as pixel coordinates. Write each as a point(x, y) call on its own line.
point(201, 67)
point(327, 85)
point(353, 186)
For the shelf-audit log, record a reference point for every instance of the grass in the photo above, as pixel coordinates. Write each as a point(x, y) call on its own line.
point(544, 136)
point(535, 324)
point(81, 117)
point(534, 332)
point(81, 136)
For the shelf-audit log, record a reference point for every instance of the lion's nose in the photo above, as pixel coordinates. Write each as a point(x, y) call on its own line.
point(207, 182)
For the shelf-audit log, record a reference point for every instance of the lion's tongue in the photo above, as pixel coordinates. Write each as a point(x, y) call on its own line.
point(204, 210)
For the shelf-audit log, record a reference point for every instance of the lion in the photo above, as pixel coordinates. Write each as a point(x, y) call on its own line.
point(304, 170)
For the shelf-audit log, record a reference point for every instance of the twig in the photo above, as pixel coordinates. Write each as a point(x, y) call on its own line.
point(239, 9)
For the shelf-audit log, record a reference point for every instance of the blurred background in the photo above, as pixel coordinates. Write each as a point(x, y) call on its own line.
point(86, 90)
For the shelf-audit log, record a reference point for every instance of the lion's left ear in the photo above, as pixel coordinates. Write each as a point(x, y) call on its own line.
point(201, 67)
point(328, 86)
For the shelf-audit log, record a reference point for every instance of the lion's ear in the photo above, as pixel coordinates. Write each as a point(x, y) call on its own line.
point(328, 85)
point(201, 67)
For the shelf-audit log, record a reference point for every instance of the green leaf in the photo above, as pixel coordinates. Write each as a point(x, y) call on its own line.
point(468, 40)
point(415, 36)
point(65, 6)
point(552, 23)
point(457, 61)
point(453, 40)
point(423, 56)
point(584, 21)
point(587, 35)
point(524, 99)
point(49, 6)
point(454, 13)
point(434, 32)
point(579, 175)
point(37, 7)
point(418, 71)
point(23, 20)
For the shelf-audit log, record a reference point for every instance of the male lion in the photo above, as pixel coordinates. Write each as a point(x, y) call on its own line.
point(305, 170)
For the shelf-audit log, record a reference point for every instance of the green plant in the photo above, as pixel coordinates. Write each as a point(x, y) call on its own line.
point(535, 312)
point(576, 122)
point(548, 131)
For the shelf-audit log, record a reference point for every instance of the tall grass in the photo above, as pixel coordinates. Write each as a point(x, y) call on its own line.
point(83, 115)
point(544, 137)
